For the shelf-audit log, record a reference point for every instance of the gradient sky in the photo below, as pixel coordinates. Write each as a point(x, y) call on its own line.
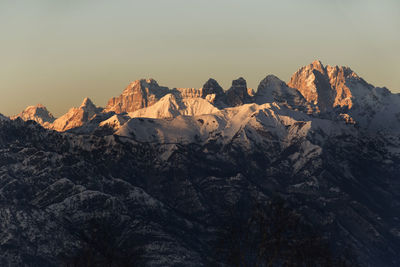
point(58, 52)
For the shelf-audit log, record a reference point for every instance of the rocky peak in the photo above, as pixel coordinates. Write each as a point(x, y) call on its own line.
point(90, 108)
point(76, 117)
point(270, 81)
point(141, 84)
point(38, 113)
point(328, 87)
point(239, 84)
point(317, 65)
point(238, 93)
point(211, 87)
point(273, 89)
point(87, 103)
point(138, 94)
point(340, 93)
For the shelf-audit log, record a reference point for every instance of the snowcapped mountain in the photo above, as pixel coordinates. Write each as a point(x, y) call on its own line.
point(329, 87)
point(172, 105)
point(250, 123)
point(336, 93)
point(160, 176)
point(272, 89)
point(38, 113)
point(114, 122)
point(342, 91)
point(76, 117)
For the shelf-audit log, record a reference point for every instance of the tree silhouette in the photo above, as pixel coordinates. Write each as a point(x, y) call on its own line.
point(275, 235)
point(102, 243)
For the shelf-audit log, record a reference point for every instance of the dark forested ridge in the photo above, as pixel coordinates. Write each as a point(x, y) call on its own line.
point(86, 200)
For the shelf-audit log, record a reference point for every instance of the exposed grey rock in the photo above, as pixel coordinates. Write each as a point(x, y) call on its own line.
point(238, 94)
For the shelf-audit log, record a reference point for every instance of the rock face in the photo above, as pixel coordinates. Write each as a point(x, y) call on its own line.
point(238, 94)
point(38, 113)
point(76, 117)
point(186, 92)
point(339, 91)
point(139, 94)
point(328, 87)
point(212, 87)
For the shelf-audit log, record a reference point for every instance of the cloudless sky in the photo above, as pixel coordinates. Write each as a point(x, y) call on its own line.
point(58, 52)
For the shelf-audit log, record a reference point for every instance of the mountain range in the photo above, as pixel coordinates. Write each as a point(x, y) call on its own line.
point(171, 168)
point(335, 93)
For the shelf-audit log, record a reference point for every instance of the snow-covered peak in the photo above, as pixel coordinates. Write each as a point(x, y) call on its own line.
point(114, 122)
point(38, 113)
point(340, 90)
point(273, 89)
point(248, 124)
point(171, 106)
point(329, 87)
point(76, 117)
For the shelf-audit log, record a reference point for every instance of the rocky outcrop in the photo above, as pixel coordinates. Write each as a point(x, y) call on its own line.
point(38, 113)
point(214, 93)
point(187, 92)
point(212, 87)
point(237, 95)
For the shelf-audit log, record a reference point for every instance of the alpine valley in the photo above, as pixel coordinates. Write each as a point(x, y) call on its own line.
point(183, 176)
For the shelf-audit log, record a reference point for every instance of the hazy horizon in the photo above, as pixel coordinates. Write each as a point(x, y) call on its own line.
point(58, 53)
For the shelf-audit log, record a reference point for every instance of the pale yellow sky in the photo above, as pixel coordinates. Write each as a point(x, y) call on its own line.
point(58, 52)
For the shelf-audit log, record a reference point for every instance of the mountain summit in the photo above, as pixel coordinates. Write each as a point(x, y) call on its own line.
point(138, 94)
point(38, 113)
point(329, 87)
point(77, 117)
point(238, 93)
point(322, 91)
point(341, 92)
point(272, 89)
